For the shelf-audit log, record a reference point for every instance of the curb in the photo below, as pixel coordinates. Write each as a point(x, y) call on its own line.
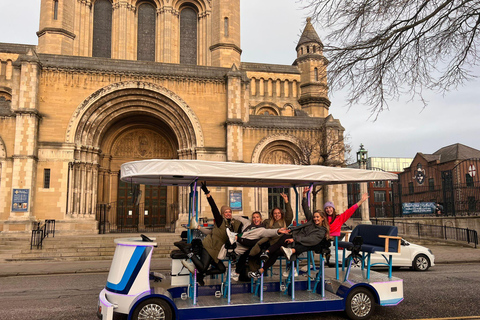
point(105, 270)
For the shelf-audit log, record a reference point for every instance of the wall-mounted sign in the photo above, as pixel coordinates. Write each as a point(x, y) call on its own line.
point(20, 199)
point(419, 174)
point(236, 199)
point(418, 207)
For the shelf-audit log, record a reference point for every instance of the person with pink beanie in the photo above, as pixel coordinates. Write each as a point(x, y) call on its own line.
point(335, 220)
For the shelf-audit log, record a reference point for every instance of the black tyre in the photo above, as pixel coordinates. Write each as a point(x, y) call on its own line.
point(360, 304)
point(153, 309)
point(421, 263)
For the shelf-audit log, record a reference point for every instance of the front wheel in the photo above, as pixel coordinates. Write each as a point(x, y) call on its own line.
point(421, 263)
point(360, 304)
point(153, 309)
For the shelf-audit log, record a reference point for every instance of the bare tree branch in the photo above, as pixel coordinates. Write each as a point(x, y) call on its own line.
point(383, 49)
point(326, 149)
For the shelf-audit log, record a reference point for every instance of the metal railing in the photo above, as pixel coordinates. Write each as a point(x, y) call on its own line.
point(37, 237)
point(432, 231)
point(132, 219)
point(40, 231)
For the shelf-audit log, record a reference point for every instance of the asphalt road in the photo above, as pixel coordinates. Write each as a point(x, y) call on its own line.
point(445, 291)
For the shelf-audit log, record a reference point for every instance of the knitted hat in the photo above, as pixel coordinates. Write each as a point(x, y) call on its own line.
point(224, 208)
point(328, 204)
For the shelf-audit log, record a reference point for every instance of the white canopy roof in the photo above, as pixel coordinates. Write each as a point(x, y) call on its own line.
point(184, 172)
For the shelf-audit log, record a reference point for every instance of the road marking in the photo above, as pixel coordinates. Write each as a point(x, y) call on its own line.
point(453, 318)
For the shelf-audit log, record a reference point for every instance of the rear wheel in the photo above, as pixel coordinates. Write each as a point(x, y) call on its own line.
point(360, 304)
point(421, 263)
point(153, 309)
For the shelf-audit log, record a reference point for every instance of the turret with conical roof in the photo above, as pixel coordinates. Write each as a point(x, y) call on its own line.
point(313, 68)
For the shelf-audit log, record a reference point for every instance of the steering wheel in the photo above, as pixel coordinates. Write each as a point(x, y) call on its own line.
point(145, 238)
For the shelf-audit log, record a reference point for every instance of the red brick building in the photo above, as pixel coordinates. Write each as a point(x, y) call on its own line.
point(448, 177)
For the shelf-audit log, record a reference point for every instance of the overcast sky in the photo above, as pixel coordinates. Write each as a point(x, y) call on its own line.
point(270, 31)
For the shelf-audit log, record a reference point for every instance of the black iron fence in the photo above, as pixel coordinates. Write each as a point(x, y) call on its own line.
point(116, 217)
point(432, 231)
point(462, 200)
point(455, 188)
point(40, 231)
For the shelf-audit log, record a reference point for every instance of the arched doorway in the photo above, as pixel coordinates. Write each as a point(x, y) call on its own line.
point(125, 122)
point(134, 207)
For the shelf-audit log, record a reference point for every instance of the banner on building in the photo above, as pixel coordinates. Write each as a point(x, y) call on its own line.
point(236, 200)
point(418, 207)
point(20, 200)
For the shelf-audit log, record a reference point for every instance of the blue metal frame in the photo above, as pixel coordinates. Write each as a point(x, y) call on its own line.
point(256, 287)
point(192, 210)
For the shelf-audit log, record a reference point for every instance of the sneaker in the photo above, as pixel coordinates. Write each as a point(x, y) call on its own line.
point(288, 252)
point(189, 265)
point(231, 236)
point(304, 269)
point(193, 224)
point(254, 275)
point(234, 276)
point(264, 256)
point(286, 274)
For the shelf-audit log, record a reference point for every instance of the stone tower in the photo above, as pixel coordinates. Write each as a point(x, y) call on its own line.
point(56, 34)
point(189, 32)
point(313, 67)
point(225, 48)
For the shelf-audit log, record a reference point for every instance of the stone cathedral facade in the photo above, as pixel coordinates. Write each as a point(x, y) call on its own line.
point(113, 81)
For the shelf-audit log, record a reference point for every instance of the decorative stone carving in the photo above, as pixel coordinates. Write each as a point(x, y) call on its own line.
point(142, 144)
point(278, 157)
point(286, 141)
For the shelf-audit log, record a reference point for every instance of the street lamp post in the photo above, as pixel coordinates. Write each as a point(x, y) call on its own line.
point(362, 157)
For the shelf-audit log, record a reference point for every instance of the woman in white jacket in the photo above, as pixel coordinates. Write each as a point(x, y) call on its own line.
point(252, 231)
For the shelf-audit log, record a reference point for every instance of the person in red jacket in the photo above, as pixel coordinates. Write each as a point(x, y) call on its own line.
point(335, 221)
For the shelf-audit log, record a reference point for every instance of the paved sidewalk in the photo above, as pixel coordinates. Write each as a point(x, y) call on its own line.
point(443, 254)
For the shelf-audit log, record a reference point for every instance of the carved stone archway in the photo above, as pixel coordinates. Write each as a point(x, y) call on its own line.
point(97, 111)
point(151, 115)
point(277, 149)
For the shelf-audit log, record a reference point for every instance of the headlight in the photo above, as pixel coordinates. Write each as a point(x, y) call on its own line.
point(430, 251)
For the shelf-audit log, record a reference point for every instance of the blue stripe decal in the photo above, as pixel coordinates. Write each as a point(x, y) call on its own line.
point(133, 268)
point(391, 302)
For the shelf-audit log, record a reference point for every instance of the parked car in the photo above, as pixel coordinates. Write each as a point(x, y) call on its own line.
point(411, 255)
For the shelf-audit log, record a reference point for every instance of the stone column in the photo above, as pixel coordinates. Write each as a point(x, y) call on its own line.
point(234, 115)
point(120, 30)
point(364, 208)
point(169, 20)
point(25, 158)
point(84, 184)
